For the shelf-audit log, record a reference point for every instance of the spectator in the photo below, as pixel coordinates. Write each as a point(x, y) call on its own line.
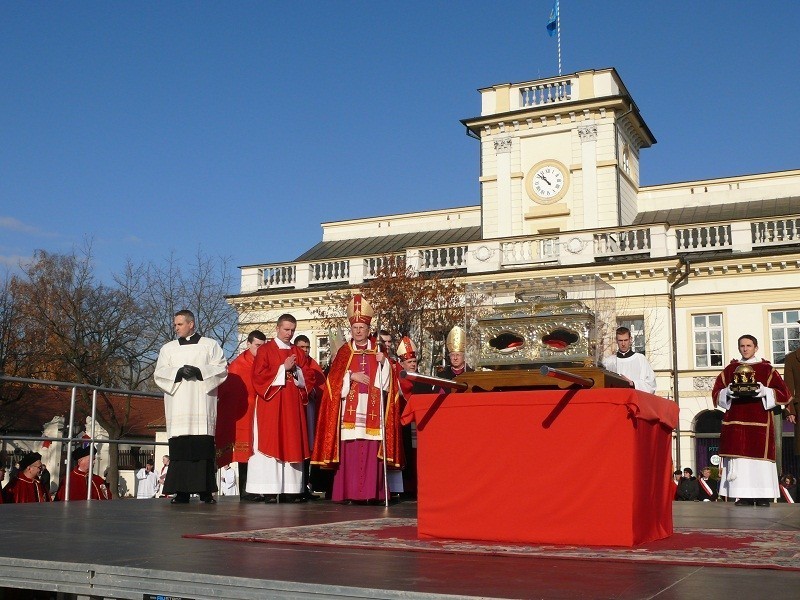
point(26, 487)
point(688, 488)
point(788, 489)
point(708, 488)
point(81, 478)
point(228, 481)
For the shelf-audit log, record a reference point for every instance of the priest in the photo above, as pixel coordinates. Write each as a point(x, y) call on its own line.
point(26, 487)
point(631, 365)
point(80, 479)
point(456, 344)
point(237, 401)
point(189, 370)
point(361, 395)
point(747, 440)
point(281, 372)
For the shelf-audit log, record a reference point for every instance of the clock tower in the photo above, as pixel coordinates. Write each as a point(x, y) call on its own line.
point(558, 154)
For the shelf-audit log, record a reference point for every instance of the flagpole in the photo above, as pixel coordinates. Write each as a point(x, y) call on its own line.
point(558, 32)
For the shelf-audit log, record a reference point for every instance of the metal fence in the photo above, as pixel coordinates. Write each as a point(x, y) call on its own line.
point(132, 457)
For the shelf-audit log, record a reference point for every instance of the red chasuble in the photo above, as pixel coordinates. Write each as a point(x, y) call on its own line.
point(78, 481)
point(331, 421)
point(237, 400)
point(281, 409)
point(748, 430)
point(23, 489)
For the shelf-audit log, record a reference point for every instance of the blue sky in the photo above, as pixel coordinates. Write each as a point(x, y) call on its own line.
point(236, 128)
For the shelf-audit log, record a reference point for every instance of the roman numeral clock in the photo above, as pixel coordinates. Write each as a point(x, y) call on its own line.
point(547, 182)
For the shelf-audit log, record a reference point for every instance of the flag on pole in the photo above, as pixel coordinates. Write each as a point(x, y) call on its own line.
point(552, 21)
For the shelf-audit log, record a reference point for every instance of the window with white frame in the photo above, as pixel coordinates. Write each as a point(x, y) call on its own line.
point(707, 332)
point(784, 333)
point(636, 326)
point(323, 350)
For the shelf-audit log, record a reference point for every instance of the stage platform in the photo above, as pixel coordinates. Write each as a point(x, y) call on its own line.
point(134, 549)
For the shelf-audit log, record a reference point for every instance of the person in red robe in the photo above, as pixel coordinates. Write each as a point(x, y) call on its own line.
point(360, 398)
point(281, 374)
point(79, 480)
point(747, 440)
point(27, 487)
point(235, 406)
point(315, 391)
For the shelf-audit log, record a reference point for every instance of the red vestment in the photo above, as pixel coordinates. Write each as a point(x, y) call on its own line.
point(331, 421)
point(748, 430)
point(23, 489)
point(236, 402)
point(78, 480)
point(281, 409)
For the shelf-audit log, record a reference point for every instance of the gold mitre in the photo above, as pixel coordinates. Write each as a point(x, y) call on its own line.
point(359, 310)
point(456, 340)
point(406, 349)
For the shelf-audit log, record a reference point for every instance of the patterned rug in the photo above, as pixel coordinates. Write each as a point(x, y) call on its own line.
point(741, 548)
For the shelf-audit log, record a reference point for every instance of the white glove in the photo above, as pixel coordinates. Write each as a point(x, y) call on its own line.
point(762, 391)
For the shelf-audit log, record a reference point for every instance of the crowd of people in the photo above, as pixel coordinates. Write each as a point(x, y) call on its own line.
point(285, 423)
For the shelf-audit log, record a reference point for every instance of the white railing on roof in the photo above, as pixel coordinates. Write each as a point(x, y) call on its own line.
point(566, 248)
point(443, 259)
point(776, 232)
point(622, 241)
point(373, 264)
point(703, 238)
point(546, 93)
point(332, 271)
point(529, 251)
point(279, 276)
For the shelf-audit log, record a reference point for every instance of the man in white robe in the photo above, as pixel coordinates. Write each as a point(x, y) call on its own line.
point(631, 365)
point(189, 370)
point(147, 481)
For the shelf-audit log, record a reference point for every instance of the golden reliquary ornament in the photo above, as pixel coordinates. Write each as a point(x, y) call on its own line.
point(744, 381)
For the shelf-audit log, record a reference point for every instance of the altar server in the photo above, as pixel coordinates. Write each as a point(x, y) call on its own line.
point(631, 365)
point(747, 440)
point(189, 370)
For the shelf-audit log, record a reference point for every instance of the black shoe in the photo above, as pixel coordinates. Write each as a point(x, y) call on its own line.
point(762, 502)
point(744, 502)
point(251, 498)
point(207, 498)
point(180, 498)
point(270, 498)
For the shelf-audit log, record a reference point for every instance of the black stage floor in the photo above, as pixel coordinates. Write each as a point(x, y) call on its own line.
point(134, 548)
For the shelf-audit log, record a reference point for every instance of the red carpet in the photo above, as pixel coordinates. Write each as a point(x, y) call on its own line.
point(741, 548)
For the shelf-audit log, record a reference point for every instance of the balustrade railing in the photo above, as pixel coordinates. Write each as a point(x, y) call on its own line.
point(442, 259)
point(776, 232)
point(520, 252)
point(623, 241)
point(373, 264)
point(703, 238)
point(279, 276)
point(329, 272)
point(546, 93)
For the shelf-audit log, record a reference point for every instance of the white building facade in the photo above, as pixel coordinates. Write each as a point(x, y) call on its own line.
point(694, 265)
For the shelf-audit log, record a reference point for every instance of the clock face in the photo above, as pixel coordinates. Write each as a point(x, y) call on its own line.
point(547, 182)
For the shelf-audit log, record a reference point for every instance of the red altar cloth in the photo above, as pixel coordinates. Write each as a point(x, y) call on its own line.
point(588, 467)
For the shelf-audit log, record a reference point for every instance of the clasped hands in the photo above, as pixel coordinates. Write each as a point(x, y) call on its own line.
point(189, 372)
